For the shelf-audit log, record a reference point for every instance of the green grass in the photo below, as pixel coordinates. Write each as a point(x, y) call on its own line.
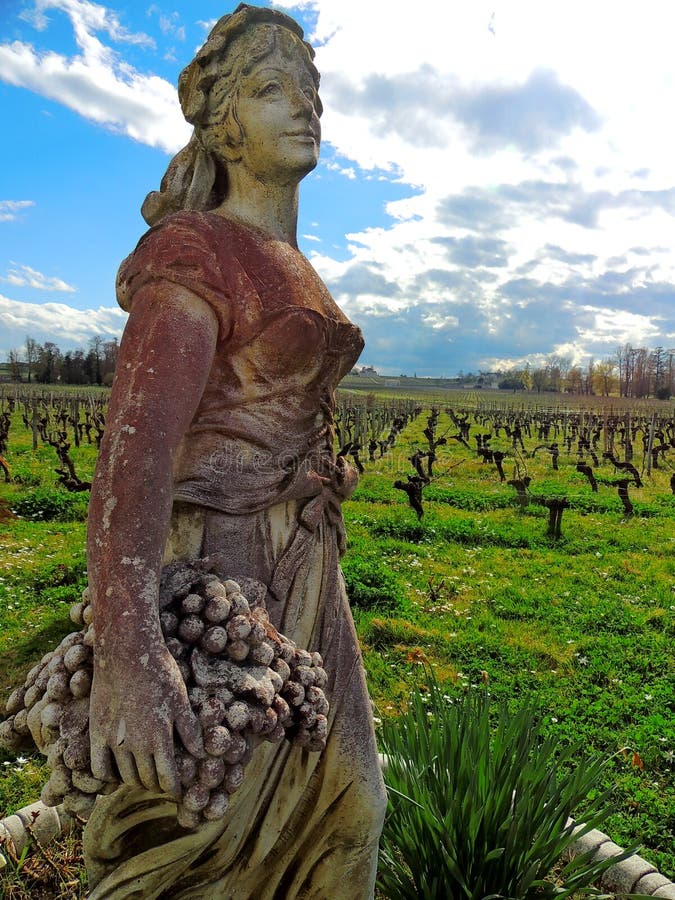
point(53, 872)
point(42, 572)
point(580, 630)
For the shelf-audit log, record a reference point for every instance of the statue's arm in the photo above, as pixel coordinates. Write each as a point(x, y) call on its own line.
point(138, 696)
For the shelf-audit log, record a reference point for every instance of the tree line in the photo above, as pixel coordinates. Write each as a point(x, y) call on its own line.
point(48, 364)
point(631, 372)
point(637, 372)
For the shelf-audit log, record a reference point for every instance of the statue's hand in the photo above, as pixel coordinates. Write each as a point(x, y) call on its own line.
point(136, 703)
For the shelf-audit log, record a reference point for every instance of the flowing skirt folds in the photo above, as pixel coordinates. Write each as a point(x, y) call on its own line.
point(303, 825)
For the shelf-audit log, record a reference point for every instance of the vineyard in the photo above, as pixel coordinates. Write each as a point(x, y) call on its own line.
point(495, 539)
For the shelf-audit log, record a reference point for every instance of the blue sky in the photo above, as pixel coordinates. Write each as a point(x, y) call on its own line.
point(497, 182)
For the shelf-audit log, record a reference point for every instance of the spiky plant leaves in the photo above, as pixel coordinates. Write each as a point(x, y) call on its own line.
point(482, 809)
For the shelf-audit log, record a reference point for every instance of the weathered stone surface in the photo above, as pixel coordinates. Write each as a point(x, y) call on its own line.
point(220, 431)
point(46, 823)
point(650, 883)
point(589, 842)
point(668, 891)
point(633, 874)
point(607, 849)
point(220, 691)
point(624, 876)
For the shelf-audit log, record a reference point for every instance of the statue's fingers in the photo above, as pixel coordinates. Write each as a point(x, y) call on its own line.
point(167, 773)
point(147, 772)
point(127, 767)
point(102, 763)
point(190, 731)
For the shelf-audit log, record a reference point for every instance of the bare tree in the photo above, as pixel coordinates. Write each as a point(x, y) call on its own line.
point(96, 352)
point(575, 380)
point(32, 352)
point(589, 387)
point(14, 360)
point(557, 368)
point(604, 380)
point(110, 351)
point(620, 363)
point(642, 371)
point(539, 377)
point(49, 363)
point(671, 371)
point(659, 364)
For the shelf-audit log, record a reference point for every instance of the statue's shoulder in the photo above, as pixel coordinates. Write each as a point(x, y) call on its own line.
point(185, 247)
point(186, 223)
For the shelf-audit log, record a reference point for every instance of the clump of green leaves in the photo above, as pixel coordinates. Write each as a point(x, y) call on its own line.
point(371, 585)
point(51, 504)
point(25, 476)
point(480, 811)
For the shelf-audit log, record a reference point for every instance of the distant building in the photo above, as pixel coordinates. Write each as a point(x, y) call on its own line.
point(488, 380)
point(364, 370)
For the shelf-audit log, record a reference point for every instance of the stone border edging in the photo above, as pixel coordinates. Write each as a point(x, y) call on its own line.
point(633, 875)
point(46, 823)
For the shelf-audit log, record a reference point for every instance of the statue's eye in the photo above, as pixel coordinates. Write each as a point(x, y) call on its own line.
point(269, 89)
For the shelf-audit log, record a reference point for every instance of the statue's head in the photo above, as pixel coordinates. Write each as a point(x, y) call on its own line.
point(208, 87)
point(209, 90)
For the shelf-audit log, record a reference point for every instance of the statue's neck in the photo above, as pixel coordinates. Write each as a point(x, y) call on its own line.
point(271, 208)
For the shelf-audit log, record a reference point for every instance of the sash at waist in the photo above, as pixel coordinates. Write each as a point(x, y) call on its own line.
point(245, 494)
point(243, 490)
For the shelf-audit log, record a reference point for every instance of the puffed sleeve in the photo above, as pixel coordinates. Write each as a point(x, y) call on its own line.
point(179, 250)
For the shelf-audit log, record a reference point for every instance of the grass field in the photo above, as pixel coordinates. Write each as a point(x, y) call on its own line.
point(580, 628)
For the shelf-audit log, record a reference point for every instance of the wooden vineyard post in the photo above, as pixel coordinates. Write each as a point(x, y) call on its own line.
point(35, 421)
point(650, 445)
point(628, 443)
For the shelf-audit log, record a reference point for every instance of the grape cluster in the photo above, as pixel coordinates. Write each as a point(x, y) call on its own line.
point(52, 709)
point(246, 683)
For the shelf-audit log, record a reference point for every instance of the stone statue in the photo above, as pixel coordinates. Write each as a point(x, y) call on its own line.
point(219, 447)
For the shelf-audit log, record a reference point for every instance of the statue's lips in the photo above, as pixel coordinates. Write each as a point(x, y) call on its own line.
point(301, 135)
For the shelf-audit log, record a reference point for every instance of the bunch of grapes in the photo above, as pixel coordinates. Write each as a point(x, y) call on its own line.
point(246, 683)
point(52, 709)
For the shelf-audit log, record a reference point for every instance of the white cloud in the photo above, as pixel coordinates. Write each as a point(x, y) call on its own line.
point(617, 327)
point(347, 171)
point(436, 321)
point(9, 209)
point(86, 17)
point(96, 82)
point(169, 23)
point(539, 166)
point(24, 276)
point(66, 326)
point(585, 45)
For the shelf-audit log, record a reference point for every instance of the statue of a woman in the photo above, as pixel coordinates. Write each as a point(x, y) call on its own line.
point(219, 443)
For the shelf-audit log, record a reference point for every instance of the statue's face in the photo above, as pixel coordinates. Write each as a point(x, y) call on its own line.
point(276, 108)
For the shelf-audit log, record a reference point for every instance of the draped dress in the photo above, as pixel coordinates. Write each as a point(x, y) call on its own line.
point(257, 488)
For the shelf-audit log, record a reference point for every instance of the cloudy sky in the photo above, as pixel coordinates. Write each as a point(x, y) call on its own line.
point(497, 180)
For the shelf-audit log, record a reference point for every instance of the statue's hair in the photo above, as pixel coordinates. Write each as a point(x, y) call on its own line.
point(208, 89)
